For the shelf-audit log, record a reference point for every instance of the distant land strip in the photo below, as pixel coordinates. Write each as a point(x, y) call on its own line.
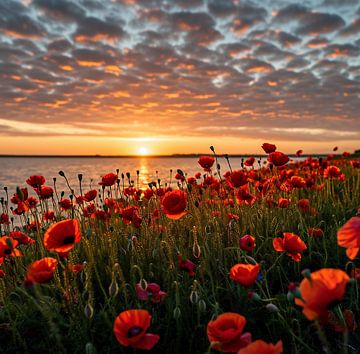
point(153, 156)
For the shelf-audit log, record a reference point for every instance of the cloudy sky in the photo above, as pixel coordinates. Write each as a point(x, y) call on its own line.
point(176, 76)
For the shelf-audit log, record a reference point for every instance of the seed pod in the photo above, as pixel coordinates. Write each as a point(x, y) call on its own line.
point(177, 313)
point(88, 311)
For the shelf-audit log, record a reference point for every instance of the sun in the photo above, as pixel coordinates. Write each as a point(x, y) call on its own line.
point(143, 151)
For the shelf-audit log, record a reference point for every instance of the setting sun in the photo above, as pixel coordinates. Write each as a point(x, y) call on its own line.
point(143, 151)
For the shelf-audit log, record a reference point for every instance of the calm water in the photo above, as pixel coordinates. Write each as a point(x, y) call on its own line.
point(15, 171)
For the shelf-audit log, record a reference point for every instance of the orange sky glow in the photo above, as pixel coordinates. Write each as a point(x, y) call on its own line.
point(165, 77)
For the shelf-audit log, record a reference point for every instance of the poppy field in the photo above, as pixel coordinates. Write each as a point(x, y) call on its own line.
point(258, 258)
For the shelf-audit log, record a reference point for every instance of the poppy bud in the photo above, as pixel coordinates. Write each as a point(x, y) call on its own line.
point(194, 297)
point(90, 349)
point(61, 173)
point(212, 148)
point(272, 308)
point(80, 176)
point(201, 305)
point(88, 311)
point(113, 288)
point(253, 296)
point(177, 313)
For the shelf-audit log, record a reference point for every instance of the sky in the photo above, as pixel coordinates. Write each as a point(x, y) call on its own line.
point(176, 76)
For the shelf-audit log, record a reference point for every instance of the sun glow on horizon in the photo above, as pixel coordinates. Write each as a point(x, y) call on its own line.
point(143, 151)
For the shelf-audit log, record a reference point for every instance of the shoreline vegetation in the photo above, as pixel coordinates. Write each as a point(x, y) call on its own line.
point(260, 259)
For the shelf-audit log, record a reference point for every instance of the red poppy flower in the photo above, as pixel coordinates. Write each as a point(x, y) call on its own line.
point(31, 202)
point(44, 192)
point(315, 232)
point(21, 238)
point(332, 172)
point(324, 287)
point(62, 236)
point(298, 153)
point(4, 219)
point(152, 292)
point(245, 274)
point(304, 204)
point(243, 196)
point(90, 195)
point(261, 347)
point(8, 247)
point(41, 271)
point(268, 148)
point(108, 180)
point(237, 179)
point(174, 204)
point(75, 268)
point(298, 182)
point(348, 236)
point(65, 204)
point(130, 329)
point(225, 333)
point(278, 158)
point(148, 193)
point(249, 161)
point(247, 243)
point(187, 265)
point(49, 215)
point(180, 177)
point(206, 162)
point(35, 181)
point(346, 154)
point(283, 203)
point(231, 216)
point(292, 244)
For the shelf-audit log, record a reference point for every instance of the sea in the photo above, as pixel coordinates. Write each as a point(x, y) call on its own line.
point(15, 170)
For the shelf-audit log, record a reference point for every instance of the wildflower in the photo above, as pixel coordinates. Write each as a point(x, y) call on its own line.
point(225, 333)
point(345, 324)
point(8, 247)
point(325, 287)
point(49, 215)
point(259, 346)
point(268, 148)
point(65, 204)
point(152, 292)
point(247, 243)
point(237, 179)
point(130, 329)
point(75, 268)
point(243, 196)
point(278, 158)
point(315, 232)
point(292, 244)
point(245, 274)
point(283, 203)
point(332, 172)
point(348, 236)
point(187, 265)
point(346, 154)
point(90, 195)
point(231, 216)
point(304, 204)
point(35, 181)
point(249, 161)
point(297, 182)
point(174, 204)
point(4, 219)
point(108, 180)
point(206, 162)
point(41, 271)
point(21, 238)
point(62, 236)
point(44, 192)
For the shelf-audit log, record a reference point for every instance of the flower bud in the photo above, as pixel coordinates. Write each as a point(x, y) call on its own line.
point(272, 308)
point(177, 313)
point(194, 297)
point(201, 305)
point(88, 311)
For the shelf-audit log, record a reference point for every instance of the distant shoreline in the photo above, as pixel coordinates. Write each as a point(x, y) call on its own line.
point(151, 156)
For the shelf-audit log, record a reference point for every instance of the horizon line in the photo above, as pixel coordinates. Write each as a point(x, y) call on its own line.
point(152, 156)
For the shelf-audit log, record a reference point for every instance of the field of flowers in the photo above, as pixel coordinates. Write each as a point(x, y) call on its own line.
point(236, 259)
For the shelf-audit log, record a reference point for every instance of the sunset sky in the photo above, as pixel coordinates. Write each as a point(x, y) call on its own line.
point(176, 76)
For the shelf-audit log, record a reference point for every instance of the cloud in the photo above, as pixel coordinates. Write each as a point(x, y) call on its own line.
point(132, 68)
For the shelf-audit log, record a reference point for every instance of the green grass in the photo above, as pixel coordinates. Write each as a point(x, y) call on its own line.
point(75, 313)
